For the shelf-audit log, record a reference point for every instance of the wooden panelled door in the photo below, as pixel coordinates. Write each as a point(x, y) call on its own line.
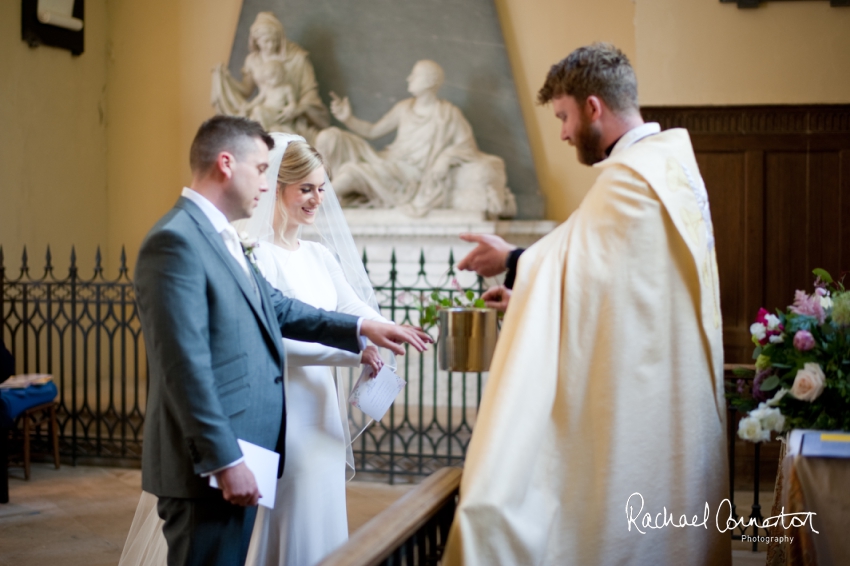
point(778, 180)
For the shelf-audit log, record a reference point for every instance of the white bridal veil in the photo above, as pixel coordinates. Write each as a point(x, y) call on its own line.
point(330, 229)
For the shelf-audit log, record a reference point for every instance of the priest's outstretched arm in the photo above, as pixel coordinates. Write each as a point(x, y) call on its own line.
point(491, 256)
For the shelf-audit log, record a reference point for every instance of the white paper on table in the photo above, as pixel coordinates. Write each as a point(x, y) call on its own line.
point(374, 395)
point(263, 464)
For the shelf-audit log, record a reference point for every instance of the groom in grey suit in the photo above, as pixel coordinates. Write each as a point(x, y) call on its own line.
point(213, 331)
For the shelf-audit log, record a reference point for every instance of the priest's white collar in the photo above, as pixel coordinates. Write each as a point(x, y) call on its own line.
point(216, 217)
point(635, 135)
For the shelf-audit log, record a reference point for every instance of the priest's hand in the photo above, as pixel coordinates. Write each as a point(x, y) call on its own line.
point(497, 298)
point(490, 256)
point(391, 336)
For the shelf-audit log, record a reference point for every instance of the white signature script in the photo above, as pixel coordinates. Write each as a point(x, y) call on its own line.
point(663, 519)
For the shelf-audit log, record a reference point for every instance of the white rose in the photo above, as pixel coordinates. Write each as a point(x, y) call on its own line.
point(758, 330)
point(759, 412)
point(750, 429)
point(772, 321)
point(808, 383)
point(773, 420)
point(826, 302)
point(777, 339)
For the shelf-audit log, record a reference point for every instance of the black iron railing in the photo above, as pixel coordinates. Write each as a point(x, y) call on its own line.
point(85, 331)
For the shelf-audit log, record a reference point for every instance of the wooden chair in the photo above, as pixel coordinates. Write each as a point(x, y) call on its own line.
point(29, 421)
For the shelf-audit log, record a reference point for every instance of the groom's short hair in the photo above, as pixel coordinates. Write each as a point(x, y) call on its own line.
point(225, 133)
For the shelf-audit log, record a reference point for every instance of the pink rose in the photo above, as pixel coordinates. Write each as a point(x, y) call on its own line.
point(804, 341)
point(808, 306)
point(809, 382)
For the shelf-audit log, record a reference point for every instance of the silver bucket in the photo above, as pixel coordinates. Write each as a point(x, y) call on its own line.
point(467, 338)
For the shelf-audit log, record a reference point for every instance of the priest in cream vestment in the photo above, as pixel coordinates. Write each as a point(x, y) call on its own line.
point(606, 392)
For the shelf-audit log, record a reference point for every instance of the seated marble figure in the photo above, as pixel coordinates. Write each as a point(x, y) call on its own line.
point(433, 162)
point(287, 98)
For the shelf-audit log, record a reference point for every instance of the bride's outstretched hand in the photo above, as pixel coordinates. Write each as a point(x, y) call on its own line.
point(372, 358)
point(391, 336)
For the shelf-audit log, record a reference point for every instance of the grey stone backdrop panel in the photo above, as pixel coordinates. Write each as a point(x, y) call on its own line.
point(365, 49)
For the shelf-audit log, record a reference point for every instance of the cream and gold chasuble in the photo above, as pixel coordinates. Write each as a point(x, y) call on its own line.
point(606, 389)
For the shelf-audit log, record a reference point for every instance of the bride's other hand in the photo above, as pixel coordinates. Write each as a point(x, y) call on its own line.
point(497, 298)
point(340, 107)
point(391, 336)
point(372, 358)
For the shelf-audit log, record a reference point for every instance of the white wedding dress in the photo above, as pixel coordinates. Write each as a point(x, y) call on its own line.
point(309, 519)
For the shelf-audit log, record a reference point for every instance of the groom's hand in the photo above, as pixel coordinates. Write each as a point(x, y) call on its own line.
point(391, 336)
point(239, 486)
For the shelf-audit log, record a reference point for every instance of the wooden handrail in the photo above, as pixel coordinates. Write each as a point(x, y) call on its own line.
point(377, 539)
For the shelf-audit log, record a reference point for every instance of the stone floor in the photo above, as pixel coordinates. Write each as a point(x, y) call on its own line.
point(79, 516)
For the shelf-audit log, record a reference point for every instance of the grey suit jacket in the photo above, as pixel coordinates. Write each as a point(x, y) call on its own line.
point(215, 355)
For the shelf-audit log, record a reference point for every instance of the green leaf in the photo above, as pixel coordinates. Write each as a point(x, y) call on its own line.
point(757, 352)
point(823, 274)
point(470, 295)
point(771, 382)
point(458, 302)
point(435, 295)
point(479, 304)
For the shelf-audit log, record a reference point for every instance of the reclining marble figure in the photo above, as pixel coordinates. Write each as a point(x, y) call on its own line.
point(433, 162)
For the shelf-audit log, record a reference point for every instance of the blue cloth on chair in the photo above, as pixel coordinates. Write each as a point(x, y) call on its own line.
point(13, 402)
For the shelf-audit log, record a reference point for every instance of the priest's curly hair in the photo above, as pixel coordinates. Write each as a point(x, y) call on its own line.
point(600, 70)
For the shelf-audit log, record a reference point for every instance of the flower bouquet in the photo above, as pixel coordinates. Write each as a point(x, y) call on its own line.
point(802, 376)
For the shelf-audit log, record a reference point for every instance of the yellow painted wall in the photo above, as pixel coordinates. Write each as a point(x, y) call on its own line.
point(697, 52)
point(686, 52)
point(159, 83)
point(539, 33)
point(52, 145)
point(94, 149)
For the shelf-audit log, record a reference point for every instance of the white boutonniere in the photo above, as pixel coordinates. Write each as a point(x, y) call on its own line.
point(249, 245)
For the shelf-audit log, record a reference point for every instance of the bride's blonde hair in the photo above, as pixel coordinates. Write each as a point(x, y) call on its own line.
point(299, 160)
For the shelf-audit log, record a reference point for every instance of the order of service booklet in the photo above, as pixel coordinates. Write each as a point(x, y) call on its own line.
point(374, 395)
point(263, 464)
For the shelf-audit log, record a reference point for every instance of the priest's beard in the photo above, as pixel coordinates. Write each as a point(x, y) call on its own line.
point(589, 143)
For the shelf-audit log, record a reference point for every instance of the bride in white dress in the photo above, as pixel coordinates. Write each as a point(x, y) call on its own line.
point(309, 519)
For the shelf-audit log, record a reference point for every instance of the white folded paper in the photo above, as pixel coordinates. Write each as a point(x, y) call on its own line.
point(374, 396)
point(263, 464)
